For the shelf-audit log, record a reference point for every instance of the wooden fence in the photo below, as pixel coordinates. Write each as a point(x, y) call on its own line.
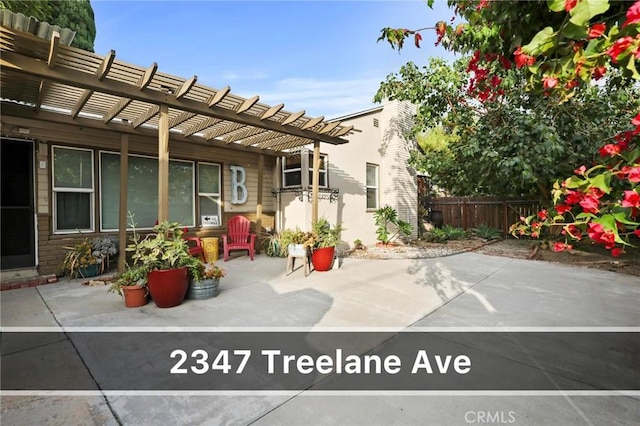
point(496, 212)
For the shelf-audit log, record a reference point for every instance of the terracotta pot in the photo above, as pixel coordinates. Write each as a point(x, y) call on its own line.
point(168, 287)
point(322, 258)
point(134, 296)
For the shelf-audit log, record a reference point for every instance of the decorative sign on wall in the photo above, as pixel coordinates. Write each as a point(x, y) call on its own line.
point(238, 188)
point(210, 220)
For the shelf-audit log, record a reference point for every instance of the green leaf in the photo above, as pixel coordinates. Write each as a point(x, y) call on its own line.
point(556, 5)
point(574, 32)
point(541, 42)
point(631, 66)
point(574, 182)
point(602, 182)
point(587, 9)
point(622, 217)
point(608, 222)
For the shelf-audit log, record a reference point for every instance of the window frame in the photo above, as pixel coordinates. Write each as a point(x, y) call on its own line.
point(119, 154)
point(209, 194)
point(306, 163)
point(55, 190)
point(375, 187)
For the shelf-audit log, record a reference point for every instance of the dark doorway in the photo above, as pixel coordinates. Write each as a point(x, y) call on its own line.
point(16, 203)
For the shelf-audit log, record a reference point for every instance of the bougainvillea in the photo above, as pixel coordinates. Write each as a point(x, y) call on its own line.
point(562, 46)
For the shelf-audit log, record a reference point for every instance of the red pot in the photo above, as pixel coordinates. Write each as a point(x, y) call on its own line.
point(168, 287)
point(134, 296)
point(322, 258)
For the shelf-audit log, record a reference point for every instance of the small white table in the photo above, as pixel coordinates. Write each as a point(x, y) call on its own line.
point(298, 251)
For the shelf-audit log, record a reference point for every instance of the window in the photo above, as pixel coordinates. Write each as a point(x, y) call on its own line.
point(372, 186)
point(292, 170)
point(142, 191)
point(323, 170)
point(73, 190)
point(209, 194)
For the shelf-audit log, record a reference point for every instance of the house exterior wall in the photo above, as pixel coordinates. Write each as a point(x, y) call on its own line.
point(384, 145)
point(50, 246)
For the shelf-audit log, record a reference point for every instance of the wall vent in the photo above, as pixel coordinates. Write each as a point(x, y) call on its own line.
point(376, 122)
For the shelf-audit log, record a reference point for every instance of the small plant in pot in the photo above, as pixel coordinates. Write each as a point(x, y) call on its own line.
point(205, 281)
point(323, 244)
point(132, 286)
point(165, 255)
point(89, 258)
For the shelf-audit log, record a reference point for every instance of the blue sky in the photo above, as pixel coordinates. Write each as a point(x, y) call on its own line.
point(319, 56)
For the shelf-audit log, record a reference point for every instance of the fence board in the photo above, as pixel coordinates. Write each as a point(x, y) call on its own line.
point(496, 212)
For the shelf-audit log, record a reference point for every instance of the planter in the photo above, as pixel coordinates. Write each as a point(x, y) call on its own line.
point(322, 258)
point(134, 296)
point(297, 250)
point(205, 289)
point(88, 271)
point(168, 287)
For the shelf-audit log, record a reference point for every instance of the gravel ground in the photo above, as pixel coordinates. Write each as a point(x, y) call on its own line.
point(419, 250)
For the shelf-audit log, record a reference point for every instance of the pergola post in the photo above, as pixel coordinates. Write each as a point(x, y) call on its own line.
point(315, 181)
point(122, 218)
point(259, 201)
point(163, 164)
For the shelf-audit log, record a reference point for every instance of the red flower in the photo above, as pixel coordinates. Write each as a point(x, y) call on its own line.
point(558, 246)
point(636, 233)
point(601, 236)
point(522, 58)
point(482, 4)
point(542, 214)
point(580, 170)
point(573, 197)
point(616, 251)
point(633, 14)
point(636, 119)
point(598, 73)
point(597, 30)
point(634, 175)
point(569, 4)
point(562, 208)
point(631, 199)
point(619, 47)
point(610, 150)
point(549, 82)
point(572, 84)
point(574, 232)
point(590, 204)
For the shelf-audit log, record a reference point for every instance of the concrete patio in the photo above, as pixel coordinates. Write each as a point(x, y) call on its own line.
point(466, 290)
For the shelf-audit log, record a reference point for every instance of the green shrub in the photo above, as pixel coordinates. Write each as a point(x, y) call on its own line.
point(486, 232)
point(454, 233)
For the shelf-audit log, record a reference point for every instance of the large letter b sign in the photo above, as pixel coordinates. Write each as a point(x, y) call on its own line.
point(238, 188)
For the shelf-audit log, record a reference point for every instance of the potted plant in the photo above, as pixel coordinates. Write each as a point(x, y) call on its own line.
point(386, 216)
point(88, 259)
point(165, 255)
point(323, 244)
point(132, 286)
point(205, 282)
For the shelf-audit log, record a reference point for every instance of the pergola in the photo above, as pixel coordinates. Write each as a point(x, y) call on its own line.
point(45, 79)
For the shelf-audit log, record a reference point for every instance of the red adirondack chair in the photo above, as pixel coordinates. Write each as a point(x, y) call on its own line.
point(195, 246)
point(238, 236)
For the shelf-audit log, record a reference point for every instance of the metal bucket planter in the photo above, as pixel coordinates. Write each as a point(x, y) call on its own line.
point(205, 289)
point(88, 271)
point(168, 287)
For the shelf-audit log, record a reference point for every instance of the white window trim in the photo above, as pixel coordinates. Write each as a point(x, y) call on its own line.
point(210, 194)
point(193, 189)
point(286, 171)
point(324, 170)
point(55, 189)
point(376, 186)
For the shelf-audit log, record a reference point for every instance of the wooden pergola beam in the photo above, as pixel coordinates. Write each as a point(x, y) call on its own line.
point(229, 128)
point(198, 127)
point(247, 104)
point(53, 50)
point(271, 111)
point(180, 118)
point(219, 96)
point(244, 133)
point(329, 127)
point(101, 73)
point(12, 61)
point(148, 115)
point(343, 131)
point(309, 124)
point(146, 78)
point(186, 86)
point(293, 117)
